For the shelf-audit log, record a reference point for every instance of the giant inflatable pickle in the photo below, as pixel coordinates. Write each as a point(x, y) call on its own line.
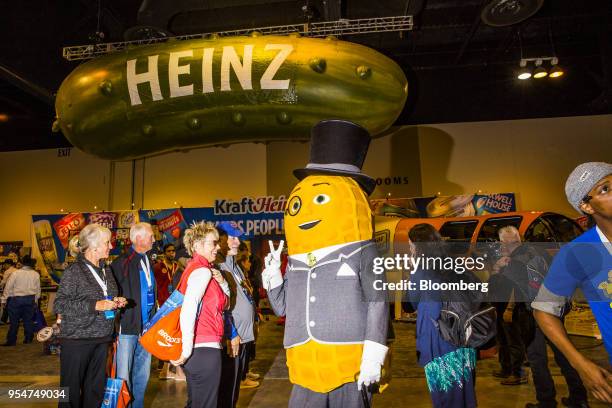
point(179, 95)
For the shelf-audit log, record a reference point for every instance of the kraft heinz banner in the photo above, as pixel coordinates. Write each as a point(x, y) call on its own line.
point(256, 217)
point(445, 206)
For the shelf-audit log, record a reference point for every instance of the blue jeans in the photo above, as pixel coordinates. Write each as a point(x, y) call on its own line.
point(134, 366)
point(20, 308)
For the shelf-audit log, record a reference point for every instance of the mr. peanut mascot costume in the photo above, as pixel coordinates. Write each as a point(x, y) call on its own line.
point(336, 327)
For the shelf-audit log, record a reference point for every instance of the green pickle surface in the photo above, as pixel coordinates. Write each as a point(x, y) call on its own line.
point(184, 94)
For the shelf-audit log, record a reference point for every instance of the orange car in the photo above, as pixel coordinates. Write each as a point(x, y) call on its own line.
point(391, 233)
point(534, 226)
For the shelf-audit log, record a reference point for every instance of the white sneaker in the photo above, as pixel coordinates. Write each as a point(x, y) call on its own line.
point(249, 384)
point(252, 376)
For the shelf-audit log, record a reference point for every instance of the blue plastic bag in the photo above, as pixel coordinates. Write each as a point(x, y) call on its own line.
point(116, 394)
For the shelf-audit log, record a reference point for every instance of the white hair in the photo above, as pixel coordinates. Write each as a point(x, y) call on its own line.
point(508, 230)
point(139, 230)
point(92, 236)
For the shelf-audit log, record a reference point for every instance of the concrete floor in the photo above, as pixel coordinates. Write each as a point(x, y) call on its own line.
point(24, 366)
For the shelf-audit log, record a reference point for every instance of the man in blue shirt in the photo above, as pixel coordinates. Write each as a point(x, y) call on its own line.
point(584, 263)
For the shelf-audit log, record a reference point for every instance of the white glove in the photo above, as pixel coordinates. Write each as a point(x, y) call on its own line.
point(271, 275)
point(372, 359)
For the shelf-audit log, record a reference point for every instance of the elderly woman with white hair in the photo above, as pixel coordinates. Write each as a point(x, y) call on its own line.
point(87, 300)
point(202, 330)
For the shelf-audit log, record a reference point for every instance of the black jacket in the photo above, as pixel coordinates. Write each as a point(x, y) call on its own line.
point(126, 269)
point(526, 270)
point(76, 302)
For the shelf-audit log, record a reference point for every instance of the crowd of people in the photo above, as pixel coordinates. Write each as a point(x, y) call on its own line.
point(528, 320)
point(103, 307)
point(450, 370)
point(100, 304)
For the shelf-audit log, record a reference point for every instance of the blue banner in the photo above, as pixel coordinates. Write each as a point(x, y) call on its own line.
point(259, 218)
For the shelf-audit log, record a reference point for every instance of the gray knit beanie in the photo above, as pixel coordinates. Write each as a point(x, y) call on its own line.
point(582, 180)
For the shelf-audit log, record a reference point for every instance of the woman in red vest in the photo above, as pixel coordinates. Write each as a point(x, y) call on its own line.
point(201, 319)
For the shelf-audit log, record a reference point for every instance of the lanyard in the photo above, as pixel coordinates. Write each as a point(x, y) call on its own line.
point(146, 271)
point(238, 277)
point(171, 269)
point(100, 282)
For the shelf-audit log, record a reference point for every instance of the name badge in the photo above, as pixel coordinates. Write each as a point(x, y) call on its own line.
point(109, 314)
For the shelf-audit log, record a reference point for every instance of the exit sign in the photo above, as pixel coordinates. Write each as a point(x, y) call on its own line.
point(63, 152)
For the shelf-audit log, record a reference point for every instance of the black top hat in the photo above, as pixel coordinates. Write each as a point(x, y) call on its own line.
point(338, 147)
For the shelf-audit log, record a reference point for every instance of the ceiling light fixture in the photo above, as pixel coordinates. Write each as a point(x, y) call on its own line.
point(556, 71)
point(540, 71)
point(524, 72)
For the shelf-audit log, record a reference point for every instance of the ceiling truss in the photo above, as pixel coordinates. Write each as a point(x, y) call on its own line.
point(323, 29)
